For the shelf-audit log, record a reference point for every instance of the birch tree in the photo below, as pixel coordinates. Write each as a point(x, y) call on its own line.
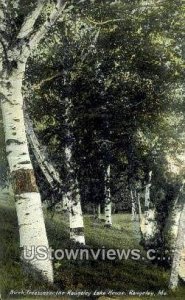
point(72, 194)
point(148, 223)
point(16, 45)
point(172, 222)
point(99, 211)
point(108, 203)
point(178, 265)
point(133, 196)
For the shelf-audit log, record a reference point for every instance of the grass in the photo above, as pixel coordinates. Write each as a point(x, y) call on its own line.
point(83, 275)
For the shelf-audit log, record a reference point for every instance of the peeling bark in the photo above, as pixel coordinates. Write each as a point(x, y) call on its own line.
point(23, 181)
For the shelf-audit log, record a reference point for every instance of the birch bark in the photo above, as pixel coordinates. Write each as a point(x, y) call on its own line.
point(133, 203)
point(28, 201)
point(13, 59)
point(148, 223)
point(108, 203)
point(139, 206)
point(178, 265)
point(99, 211)
point(76, 222)
point(172, 224)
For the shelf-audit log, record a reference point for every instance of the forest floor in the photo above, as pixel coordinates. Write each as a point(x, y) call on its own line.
point(82, 275)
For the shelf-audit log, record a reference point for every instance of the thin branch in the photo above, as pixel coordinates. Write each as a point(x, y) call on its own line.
point(157, 4)
point(4, 50)
point(104, 22)
point(48, 79)
point(30, 20)
point(3, 11)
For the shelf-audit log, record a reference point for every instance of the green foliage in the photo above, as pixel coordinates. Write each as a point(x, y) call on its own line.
point(121, 66)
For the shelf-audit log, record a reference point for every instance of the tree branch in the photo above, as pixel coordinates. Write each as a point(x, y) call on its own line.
point(3, 9)
point(3, 50)
point(30, 20)
point(44, 163)
point(103, 22)
point(3, 42)
point(48, 79)
point(55, 14)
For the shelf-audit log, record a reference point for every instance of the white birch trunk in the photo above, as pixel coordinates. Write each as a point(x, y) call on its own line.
point(133, 208)
point(148, 223)
point(65, 202)
point(28, 201)
point(108, 203)
point(147, 190)
point(139, 206)
point(12, 69)
point(76, 223)
point(172, 223)
point(99, 211)
point(178, 265)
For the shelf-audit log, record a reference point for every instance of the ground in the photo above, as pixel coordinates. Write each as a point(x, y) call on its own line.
point(80, 275)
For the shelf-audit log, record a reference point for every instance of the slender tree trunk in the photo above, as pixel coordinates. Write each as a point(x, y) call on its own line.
point(28, 201)
point(139, 207)
point(47, 168)
point(108, 203)
point(172, 224)
point(147, 191)
point(99, 211)
point(94, 210)
point(178, 265)
point(133, 203)
point(148, 224)
point(65, 202)
point(76, 223)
